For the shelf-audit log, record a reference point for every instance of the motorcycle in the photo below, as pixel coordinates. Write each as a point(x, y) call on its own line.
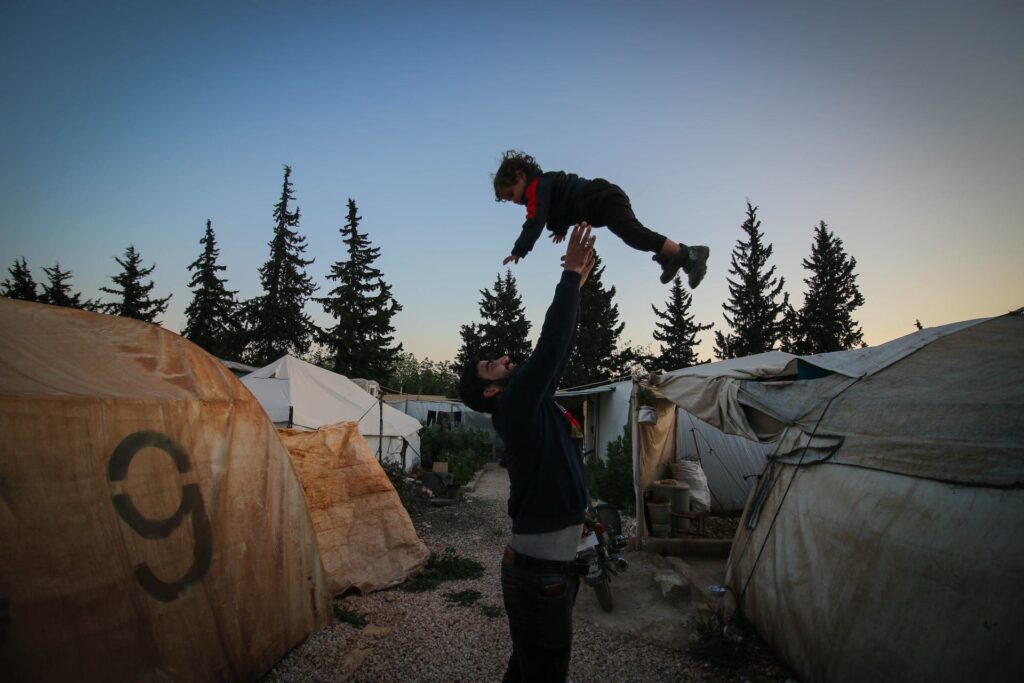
point(599, 548)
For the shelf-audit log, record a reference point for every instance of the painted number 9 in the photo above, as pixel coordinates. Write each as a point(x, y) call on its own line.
point(191, 506)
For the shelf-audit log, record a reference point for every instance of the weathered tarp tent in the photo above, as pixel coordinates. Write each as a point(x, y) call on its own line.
point(729, 462)
point(885, 540)
point(301, 395)
point(151, 523)
point(367, 541)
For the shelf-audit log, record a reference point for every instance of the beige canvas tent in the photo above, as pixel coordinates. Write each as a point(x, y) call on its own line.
point(885, 539)
point(366, 538)
point(152, 526)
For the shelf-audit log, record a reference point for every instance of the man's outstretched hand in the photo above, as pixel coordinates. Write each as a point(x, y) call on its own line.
point(511, 258)
point(579, 254)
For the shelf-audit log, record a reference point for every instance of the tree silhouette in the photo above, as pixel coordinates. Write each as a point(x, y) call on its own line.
point(825, 321)
point(594, 357)
point(503, 328)
point(676, 331)
point(57, 291)
point(754, 312)
point(362, 339)
point(20, 285)
point(276, 322)
point(211, 319)
point(134, 299)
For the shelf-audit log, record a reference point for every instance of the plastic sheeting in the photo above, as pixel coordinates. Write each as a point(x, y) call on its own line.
point(367, 541)
point(151, 524)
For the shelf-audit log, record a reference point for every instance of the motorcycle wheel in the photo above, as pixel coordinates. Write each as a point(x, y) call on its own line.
point(604, 594)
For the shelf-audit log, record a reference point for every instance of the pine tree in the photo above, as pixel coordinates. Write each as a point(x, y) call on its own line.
point(503, 329)
point(471, 348)
point(362, 340)
point(211, 319)
point(21, 285)
point(754, 311)
point(276, 322)
point(825, 321)
point(134, 296)
point(57, 291)
point(594, 357)
point(676, 331)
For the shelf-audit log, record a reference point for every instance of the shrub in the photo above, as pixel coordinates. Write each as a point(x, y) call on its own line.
point(611, 479)
point(464, 449)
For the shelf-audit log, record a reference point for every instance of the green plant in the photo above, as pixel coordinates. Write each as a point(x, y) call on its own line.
point(349, 617)
point(440, 444)
point(645, 396)
point(408, 490)
point(492, 611)
point(444, 567)
point(464, 598)
point(611, 479)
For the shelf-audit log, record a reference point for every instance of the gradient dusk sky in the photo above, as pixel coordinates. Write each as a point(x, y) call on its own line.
point(899, 124)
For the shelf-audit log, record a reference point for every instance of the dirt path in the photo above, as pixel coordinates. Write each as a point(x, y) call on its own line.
point(643, 608)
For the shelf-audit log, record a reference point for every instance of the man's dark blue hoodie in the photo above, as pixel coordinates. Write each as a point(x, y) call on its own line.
point(547, 491)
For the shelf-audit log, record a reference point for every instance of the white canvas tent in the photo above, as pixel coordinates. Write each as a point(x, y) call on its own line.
point(885, 541)
point(301, 395)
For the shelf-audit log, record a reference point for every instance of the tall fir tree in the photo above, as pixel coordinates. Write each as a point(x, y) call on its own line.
point(503, 328)
point(57, 291)
point(471, 348)
point(676, 331)
point(595, 357)
point(754, 311)
point(276, 321)
point(20, 285)
point(362, 339)
point(134, 300)
point(211, 319)
point(825, 321)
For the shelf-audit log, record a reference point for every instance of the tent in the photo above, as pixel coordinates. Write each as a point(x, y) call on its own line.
point(299, 394)
point(885, 540)
point(730, 463)
point(366, 539)
point(431, 410)
point(151, 523)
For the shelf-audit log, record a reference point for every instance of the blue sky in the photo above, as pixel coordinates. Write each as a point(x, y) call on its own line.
point(898, 124)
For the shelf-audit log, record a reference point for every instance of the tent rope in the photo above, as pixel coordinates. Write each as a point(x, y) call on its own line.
point(778, 509)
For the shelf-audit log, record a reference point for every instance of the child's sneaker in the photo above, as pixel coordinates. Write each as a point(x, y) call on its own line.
point(693, 261)
point(696, 265)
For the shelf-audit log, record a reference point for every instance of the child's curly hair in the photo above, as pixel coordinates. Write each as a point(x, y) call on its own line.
point(512, 162)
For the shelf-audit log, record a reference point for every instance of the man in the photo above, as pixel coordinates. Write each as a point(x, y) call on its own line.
point(547, 493)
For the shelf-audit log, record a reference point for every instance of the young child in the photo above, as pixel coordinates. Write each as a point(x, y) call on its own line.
point(558, 200)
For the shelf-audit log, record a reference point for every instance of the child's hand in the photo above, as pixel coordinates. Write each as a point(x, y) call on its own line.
point(557, 239)
point(511, 258)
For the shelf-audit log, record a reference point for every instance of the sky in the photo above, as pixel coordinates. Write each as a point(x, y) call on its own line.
point(898, 124)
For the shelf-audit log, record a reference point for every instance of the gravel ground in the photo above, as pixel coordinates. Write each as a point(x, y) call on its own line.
point(424, 637)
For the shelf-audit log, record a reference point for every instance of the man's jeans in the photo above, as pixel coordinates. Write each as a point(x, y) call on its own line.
point(539, 607)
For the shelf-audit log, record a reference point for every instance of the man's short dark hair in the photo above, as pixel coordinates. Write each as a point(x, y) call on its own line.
point(471, 389)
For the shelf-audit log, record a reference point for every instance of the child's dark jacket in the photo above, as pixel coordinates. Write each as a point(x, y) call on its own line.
point(547, 490)
point(551, 199)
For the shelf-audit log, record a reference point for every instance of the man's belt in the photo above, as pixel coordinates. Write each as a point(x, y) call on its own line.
point(532, 564)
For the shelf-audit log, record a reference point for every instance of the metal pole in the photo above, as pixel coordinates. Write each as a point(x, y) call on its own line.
point(637, 489)
point(380, 432)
